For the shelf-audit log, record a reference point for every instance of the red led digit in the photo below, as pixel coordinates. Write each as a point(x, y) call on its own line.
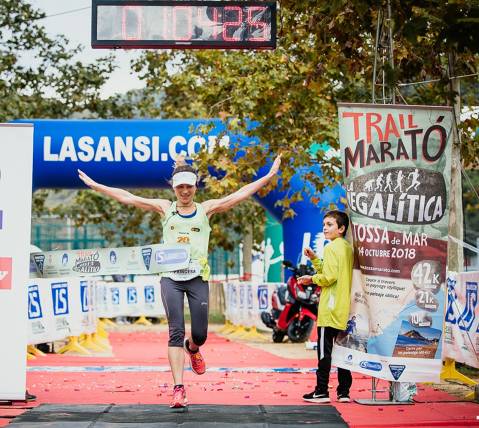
point(229, 24)
point(206, 23)
point(216, 22)
point(189, 30)
point(129, 13)
point(166, 11)
point(256, 24)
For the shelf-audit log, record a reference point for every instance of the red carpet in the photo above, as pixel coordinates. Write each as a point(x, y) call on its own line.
point(97, 381)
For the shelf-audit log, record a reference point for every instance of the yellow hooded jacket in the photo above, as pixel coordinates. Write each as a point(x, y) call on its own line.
point(334, 276)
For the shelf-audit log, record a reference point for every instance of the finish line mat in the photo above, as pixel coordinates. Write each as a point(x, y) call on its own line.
point(115, 416)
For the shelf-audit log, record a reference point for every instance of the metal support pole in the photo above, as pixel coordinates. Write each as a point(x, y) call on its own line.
point(374, 401)
point(383, 56)
point(384, 51)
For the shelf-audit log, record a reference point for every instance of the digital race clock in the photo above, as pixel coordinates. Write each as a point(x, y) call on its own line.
point(158, 24)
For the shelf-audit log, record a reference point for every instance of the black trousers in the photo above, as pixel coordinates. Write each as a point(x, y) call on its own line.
point(326, 337)
point(173, 296)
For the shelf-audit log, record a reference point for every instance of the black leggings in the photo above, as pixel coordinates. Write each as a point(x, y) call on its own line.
point(173, 297)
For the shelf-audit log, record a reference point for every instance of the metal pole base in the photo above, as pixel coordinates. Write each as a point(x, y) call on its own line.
point(372, 402)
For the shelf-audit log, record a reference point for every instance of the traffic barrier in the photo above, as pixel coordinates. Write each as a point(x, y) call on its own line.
point(59, 308)
point(461, 330)
point(140, 298)
point(32, 350)
point(244, 302)
point(461, 326)
point(70, 308)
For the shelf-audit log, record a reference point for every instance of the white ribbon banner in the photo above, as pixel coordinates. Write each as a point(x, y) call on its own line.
point(143, 260)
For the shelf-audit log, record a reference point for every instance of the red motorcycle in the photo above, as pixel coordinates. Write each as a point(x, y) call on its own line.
point(294, 307)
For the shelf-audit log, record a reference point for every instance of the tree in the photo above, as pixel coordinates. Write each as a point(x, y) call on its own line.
point(324, 55)
point(127, 226)
point(471, 208)
point(40, 77)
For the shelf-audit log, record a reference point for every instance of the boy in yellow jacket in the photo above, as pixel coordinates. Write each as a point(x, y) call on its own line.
point(333, 275)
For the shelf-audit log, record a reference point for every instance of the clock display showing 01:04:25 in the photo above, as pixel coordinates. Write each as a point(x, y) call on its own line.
point(225, 23)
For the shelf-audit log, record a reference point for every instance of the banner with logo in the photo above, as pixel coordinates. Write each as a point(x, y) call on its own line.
point(60, 307)
point(113, 301)
point(149, 288)
point(85, 309)
point(141, 297)
point(396, 169)
point(16, 156)
point(143, 260)
point(245, 301)
point(273, 249)
point(461, 329)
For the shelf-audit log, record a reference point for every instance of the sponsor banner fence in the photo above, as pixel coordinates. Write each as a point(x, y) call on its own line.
point(245, 302)
point(141, 297)
point(143, 260)
point(461, 330)
point(60, 307)
point(396, 168)
point(16, 156)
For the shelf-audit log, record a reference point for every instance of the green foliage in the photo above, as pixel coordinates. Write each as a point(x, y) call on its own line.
point(39, 75)
point(119, 224)
point(127, 226)
point(38, 202)
point(325, 54)
point(470, 185)
point(41, 78)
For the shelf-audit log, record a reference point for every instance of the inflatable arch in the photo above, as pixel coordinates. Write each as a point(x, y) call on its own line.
point(140, 154)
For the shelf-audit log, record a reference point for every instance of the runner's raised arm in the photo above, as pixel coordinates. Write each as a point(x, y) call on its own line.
point(125, 197)
point(214, 206)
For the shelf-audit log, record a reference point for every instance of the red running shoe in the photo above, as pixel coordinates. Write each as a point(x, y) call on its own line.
point(197, 362)
point(179, 397)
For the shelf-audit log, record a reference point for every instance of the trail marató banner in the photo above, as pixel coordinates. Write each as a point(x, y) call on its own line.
point(396, 167)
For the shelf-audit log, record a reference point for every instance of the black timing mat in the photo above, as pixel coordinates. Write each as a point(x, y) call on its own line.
point(149, 416)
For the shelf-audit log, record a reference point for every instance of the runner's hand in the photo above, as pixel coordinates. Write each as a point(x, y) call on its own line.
point(275, 167)
point(87, 180)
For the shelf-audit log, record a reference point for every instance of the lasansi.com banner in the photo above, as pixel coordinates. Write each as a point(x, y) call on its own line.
point(396, 167)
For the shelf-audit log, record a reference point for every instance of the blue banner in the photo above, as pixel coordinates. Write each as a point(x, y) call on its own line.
point(141, 153)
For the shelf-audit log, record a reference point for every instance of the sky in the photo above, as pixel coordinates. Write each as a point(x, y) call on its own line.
point(76, 26)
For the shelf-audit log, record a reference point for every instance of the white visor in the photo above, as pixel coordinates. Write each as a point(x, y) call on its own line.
point(184, 177)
